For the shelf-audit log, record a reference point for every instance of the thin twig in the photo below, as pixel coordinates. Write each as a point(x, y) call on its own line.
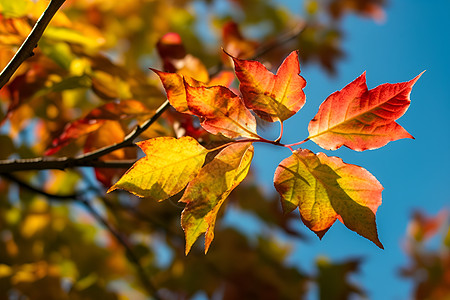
point(26, 50)
point(88, 159)
point(33, 189)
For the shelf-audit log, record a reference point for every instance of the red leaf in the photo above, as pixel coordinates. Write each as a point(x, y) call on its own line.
point(271, 97)
point(362, 119)
point(95, 119)
point(221, 110)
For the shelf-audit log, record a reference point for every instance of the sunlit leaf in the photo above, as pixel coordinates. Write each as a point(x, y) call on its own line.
point(362, 119)
point(221, 111)
point(166, 169)
point(207, 192)
point(325, 189)
point(272, 97)
point(176, 93)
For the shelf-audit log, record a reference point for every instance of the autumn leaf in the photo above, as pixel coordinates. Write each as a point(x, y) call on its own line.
point(207, 192)
point(221, 111)
point(175, 58)
point(325, 189)
point(272, 97)
point(95, 119)
point(166, 169)
point(176, 93)
point(74, 131)
point(362, 119)
point(109, 133)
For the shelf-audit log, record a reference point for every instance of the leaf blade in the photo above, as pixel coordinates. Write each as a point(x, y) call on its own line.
point(273, 97)
point(325, 189)
point(362, 119)
point(152, 176)
point(222, 111)
point(206, 193)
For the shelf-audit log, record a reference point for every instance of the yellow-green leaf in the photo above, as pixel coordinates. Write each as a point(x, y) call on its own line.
point(166, 169)
point(325, 189)
point(206, 193)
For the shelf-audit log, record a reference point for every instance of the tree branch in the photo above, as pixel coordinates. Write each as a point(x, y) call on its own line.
point(26, 50)
point(86, 160)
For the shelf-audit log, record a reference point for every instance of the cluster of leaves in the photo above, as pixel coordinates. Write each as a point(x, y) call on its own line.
point(86, 87)
point(323, 188)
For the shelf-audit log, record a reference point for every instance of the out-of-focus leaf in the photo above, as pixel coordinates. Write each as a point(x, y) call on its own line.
point(272, 97)
point(325, 189)
point(15, 9)
point(209, 189)
point(423, 227)
point(89, 39)
point(7, 147)
point(369, 8)
point(333, 279)
point(74, 131)
point(361, 119)
point(221, 111)
point(95, 119)
point(235, 44)
point(166, 169)
point(176, 59)
point(110, 133)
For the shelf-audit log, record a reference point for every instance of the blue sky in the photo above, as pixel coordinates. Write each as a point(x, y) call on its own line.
point(414, 37)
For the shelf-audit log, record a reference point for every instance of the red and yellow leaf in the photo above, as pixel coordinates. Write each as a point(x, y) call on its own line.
point(325, 189)
point(176, 93)
point(221, 111)
point(271, 97)
point(166, 169)
point(362, 119)
point(207, 192)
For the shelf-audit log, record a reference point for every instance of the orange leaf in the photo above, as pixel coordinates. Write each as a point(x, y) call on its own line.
point(272, 97)
point(166, 169)
point(221, 110)
point(362, 119)
point(325, 189)
point(207, 192)
point(176, 92)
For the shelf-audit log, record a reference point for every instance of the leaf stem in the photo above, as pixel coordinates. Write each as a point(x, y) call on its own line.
point(299, 143)
point(281, 132)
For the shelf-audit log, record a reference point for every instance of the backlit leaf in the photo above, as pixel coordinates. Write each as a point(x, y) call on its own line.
point(166, 169)
point(176, 92)
point(271, 97)
point(207, 192)
point(221, 110)
point(362, 119)
point(325, 189)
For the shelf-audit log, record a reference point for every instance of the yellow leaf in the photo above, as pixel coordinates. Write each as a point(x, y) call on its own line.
point(206, 193)
point(167, 168)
